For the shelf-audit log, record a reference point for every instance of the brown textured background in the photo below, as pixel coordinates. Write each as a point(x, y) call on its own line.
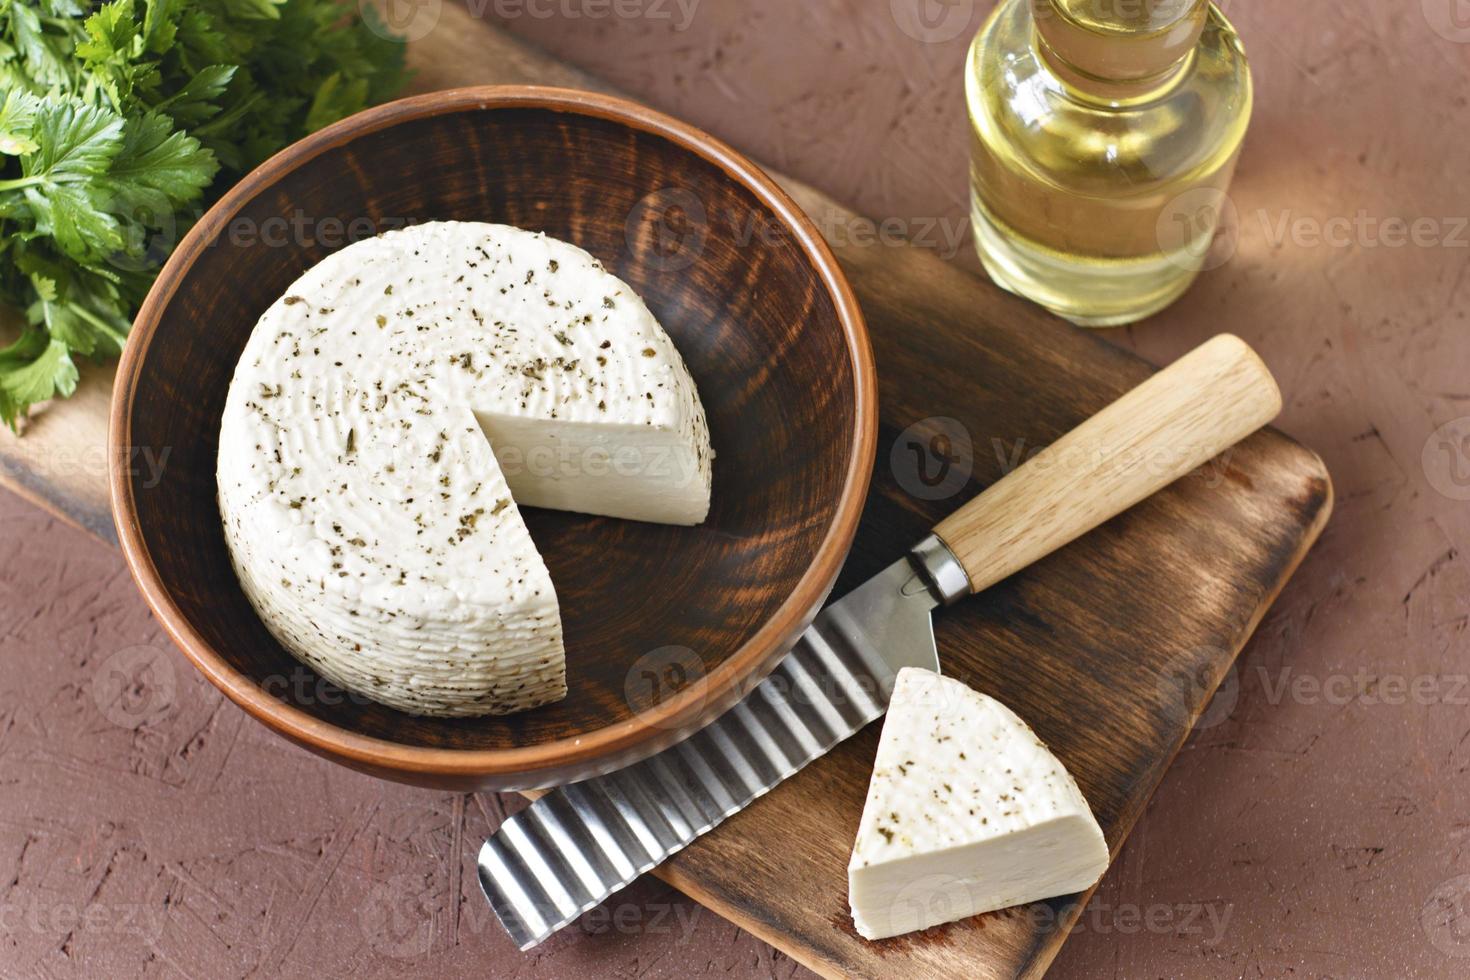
point(1317, 825)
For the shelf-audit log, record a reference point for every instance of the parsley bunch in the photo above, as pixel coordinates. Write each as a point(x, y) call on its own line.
point(118, 123)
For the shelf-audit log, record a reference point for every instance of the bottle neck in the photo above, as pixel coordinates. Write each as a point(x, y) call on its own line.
point(1118, 51)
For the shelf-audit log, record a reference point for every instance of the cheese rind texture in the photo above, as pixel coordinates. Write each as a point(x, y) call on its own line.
point(967, 812)
point(387, 414)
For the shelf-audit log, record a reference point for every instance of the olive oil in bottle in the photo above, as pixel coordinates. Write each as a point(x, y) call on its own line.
point(1104, 136)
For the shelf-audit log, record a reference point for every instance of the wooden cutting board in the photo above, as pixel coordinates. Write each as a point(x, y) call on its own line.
point(1110, 648)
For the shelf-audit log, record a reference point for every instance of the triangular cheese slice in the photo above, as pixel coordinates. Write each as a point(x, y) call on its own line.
point(386, 417)
point(967, 812)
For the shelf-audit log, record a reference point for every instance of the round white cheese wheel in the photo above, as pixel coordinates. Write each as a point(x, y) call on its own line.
point(386, 417)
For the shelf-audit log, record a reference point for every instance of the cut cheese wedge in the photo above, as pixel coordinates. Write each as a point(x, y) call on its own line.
point(967, 812)
point(388, 414)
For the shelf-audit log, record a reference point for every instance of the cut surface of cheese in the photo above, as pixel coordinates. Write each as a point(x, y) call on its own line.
point(388, 414)
point(967, 812)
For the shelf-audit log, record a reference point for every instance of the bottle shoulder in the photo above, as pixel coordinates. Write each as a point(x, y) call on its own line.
point(1017, 103)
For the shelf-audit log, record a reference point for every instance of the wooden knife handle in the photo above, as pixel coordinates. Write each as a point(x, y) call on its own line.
point(1200, 405)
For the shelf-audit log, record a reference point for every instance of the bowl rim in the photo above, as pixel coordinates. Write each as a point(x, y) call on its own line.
point(647, 731)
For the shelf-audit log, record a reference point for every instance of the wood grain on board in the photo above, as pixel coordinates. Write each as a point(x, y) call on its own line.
point(1109, 648)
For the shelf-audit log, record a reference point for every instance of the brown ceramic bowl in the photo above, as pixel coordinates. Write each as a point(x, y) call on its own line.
point(665, 627)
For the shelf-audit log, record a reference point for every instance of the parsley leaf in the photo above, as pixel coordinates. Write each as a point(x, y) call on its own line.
point(75, 141)
point(158, 169)
point(33, 369)
point(17, 118)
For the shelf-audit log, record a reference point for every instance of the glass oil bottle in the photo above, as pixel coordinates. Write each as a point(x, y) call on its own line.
point(1104, 136)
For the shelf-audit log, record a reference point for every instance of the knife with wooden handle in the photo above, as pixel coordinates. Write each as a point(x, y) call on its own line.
point(577, 845)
